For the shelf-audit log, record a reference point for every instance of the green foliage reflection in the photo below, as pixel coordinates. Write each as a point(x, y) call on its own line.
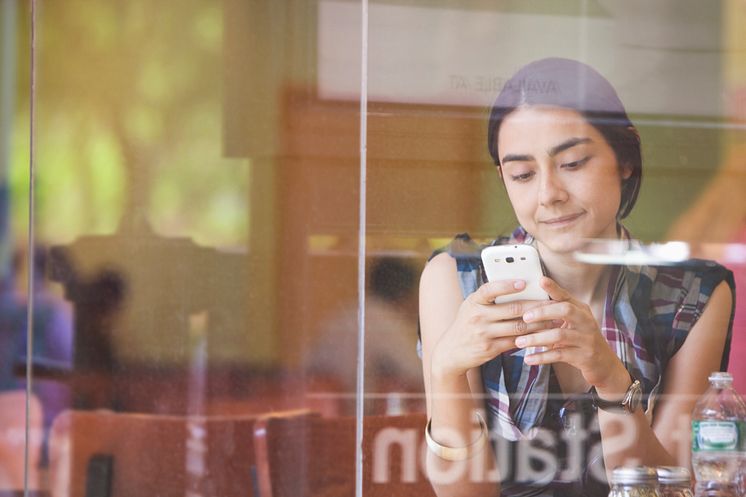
point(129, 113)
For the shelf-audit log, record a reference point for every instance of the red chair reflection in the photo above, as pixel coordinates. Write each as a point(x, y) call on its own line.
point(311, 456)
point(13, 438)
point(105, 454)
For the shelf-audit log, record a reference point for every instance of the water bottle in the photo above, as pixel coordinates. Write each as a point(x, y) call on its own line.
point(719, 439)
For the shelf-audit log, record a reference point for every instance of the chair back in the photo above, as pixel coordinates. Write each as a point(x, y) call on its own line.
point(106, 454)
point(311, 456)
point(13, 438)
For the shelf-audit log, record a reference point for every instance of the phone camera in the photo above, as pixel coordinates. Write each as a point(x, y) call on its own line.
point(509, 259)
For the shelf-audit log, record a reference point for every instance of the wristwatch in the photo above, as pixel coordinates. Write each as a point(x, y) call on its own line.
point(629, 403)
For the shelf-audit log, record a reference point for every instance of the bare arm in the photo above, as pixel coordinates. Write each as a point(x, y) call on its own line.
point(458, 336)
point(451, 400)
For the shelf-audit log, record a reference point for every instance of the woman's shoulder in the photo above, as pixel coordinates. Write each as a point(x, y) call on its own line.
point(668, 286)
point(463, 254)
point(464, 248)
point(692, 277)
point(677, 294)
point(659, 305)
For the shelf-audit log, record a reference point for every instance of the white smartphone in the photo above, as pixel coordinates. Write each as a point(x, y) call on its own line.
point(515, 262)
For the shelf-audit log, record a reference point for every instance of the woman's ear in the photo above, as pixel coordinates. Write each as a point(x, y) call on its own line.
point(625, 170)
point(634, 131)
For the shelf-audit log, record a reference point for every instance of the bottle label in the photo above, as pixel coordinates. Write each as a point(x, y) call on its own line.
point(718, 435)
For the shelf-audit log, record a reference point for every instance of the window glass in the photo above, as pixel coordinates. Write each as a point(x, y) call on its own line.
point(195, 227)
point(671, 71)
point(236, 278)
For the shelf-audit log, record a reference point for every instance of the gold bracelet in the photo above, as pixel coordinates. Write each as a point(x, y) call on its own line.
point(457, 453)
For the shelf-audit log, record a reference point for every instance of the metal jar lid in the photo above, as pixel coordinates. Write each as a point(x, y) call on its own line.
point(673, 475)
point(637, 475)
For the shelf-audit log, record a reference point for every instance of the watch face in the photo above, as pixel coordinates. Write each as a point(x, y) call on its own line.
point(635, 397)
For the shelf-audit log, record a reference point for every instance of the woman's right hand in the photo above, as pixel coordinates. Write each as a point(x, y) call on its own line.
point(483, 330)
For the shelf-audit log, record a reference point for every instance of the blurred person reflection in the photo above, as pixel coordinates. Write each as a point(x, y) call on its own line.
point(718, 218)
point(12, 327)
point(391, 363)
point(52, 334)
point(52, 339)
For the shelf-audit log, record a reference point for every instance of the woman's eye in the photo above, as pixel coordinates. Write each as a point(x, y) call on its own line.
point(522, 177)
point(576, 164)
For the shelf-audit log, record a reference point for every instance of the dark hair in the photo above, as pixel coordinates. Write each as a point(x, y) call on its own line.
point(573, 85)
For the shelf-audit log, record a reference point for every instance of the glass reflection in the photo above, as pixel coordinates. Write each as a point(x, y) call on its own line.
point(198, 190)
point(435, 68)
point(392, 369)
point(174, 190)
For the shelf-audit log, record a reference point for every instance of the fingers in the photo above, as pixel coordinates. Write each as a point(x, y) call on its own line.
point(559, 346)
point(556, 292)
point(510, 310)
point(550, 356)
point(554, 337)
point(487, 293)
point(515, 327)
point(564, 310)
point(497, 346)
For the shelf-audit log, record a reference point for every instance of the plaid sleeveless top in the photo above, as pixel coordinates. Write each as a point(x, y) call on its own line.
point(648, 312)
point(647, 315)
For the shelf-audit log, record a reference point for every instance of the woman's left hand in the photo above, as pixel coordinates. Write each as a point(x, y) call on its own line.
point(578, 342)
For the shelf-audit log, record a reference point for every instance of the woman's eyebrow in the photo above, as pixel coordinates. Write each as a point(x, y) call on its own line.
point(518, 158)
point(567, 144)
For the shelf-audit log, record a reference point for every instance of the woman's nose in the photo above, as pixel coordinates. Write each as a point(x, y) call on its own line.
point(552, 190)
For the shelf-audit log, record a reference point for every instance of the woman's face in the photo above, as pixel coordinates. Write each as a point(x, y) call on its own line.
point(561, 175)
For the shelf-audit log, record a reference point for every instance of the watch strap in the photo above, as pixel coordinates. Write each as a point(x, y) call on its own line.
point(628, 404)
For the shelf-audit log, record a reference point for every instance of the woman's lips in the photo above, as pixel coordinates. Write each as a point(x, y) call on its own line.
point(559, 222)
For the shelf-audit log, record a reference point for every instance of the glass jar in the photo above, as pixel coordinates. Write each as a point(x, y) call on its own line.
point(674, 481)
point(638, 481)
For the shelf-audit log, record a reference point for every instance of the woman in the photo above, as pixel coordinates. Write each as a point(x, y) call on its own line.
point(557, 381)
